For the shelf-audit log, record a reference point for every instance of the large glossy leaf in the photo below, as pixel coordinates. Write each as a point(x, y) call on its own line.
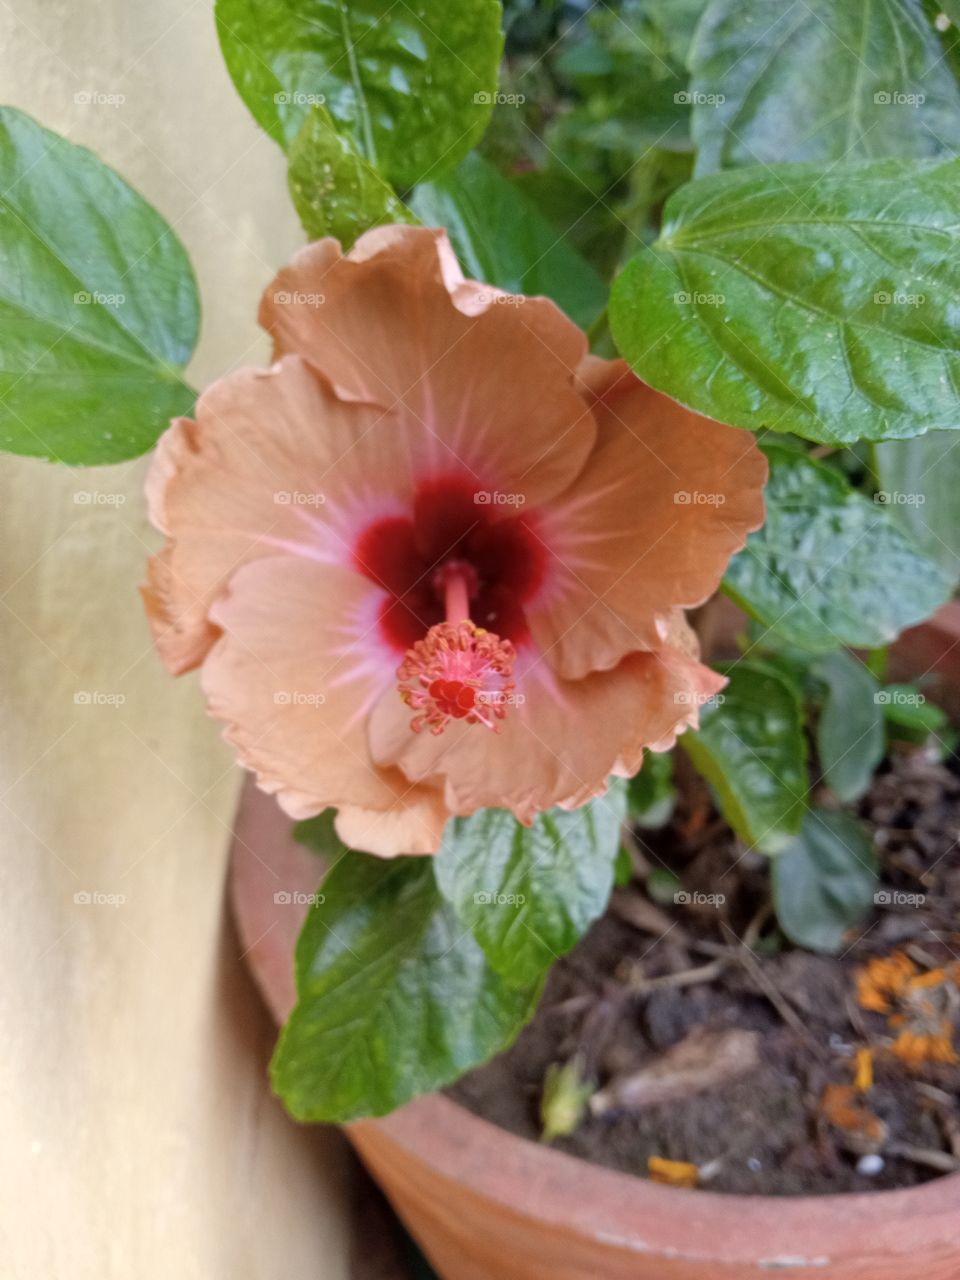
point(414, 83)
point(394, 996)
point(501, 238)
point(818, 80)
point(919, 482)
point(98, 305)
point(335, 190)
point(751, 749)
point(819, 301)
point(829, 567)
point(850, 736)
point(825, 880)
point(527, 894)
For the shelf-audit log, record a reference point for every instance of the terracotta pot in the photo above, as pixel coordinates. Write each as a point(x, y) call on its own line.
point(486, 1205)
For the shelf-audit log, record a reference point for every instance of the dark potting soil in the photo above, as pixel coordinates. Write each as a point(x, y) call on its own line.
point(657, 1004)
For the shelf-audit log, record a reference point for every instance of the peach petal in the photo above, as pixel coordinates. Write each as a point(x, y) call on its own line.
point(560, 745)
point(649, 524)
point(294, 674)
point(483, 386)
point(178, 621)
point(413, 827)
point(472, 297)
point(275, 461)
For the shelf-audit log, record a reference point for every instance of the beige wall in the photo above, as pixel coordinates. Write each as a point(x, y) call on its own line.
point(138, 1135)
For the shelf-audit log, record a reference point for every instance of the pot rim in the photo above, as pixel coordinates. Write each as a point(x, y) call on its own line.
point(626, 1210)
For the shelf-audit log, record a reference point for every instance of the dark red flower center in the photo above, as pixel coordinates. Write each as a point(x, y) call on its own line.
point(453, 524)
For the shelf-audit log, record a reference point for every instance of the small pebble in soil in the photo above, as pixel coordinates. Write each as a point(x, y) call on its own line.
point(870, 1165)
point(754, 1165)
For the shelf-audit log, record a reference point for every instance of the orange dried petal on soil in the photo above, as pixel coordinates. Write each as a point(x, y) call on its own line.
point(673, 1173)
point(895, 978)
point(838, 1105)
point(863, 1070)
point(915, 1050)
point(882, 977)
point(909, 1048)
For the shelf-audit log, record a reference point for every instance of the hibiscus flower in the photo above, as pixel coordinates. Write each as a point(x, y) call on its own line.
point(434, 558)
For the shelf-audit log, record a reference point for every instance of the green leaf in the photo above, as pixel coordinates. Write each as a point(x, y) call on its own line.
point(651, 795)
point(877, 660)
point(501, 238)
point(395, 999)
point(622, 868)
point(920, 483)
point(593, 116)
point(829, 567)
point(821, 81)
point(663, 886)
point(626, 64)
point(676, 21)
point(906, 707)
point(789, 661)
point(98, 305)
point(414, 84)
point(335, 191)
point(820, 301)
point(529, 893)
point(751, 749)
point(824, 881)
point(319, 835)
point(850, 737)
